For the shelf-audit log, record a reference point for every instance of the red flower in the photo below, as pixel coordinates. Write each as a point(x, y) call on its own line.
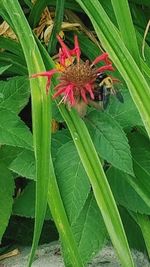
point(77, 78)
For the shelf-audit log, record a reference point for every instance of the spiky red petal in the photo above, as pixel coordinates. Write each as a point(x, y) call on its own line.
point(89, 89)
point(104, 68)
point(47, 74)
point(76, 51)
point(83, 94)
point(59, 92)
point(103, 57)
point(65, 49)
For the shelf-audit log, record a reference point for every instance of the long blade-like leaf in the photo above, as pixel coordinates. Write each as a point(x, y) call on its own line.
point(40, 113)
point(124, 19)
point(46, 189)
point(120, 55)
point(57, 26)
point(94, 169)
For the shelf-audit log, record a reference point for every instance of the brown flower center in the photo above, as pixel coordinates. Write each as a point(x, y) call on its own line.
point(79, 74)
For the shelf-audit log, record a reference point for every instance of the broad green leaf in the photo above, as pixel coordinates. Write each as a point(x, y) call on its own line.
point(13, 131)
point(72, 180)
point(8, 154)
point(56, 114)
point(6, 197)
point(24, 164)
point(2, 69)
point(141, 189)
point(110, 140)
point(140, 148)
point(124, 194)
point(89, 230)
point(14, 93)
point(24, 205)
point(125, 113)
point(58, 139)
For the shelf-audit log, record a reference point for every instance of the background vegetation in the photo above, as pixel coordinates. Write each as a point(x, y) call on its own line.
point(48, 155)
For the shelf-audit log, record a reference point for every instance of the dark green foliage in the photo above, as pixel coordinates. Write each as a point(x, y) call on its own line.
point(118, 135)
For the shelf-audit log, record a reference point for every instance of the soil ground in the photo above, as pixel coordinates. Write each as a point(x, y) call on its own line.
point(49, 256)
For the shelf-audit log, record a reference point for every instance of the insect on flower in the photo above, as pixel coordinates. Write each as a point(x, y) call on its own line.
point(104, 89)
point(77, 78)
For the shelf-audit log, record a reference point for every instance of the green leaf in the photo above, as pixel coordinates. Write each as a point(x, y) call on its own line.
point(144, 223)
point(39, 6)
point(98, 181)
point(13, 131)
point(59, 14)
point(55, 111)
point(89, 230)
point(6, 197)
point(110, 140)
point(24, 164)
point(2, 69)
point(126, 114)
point(24, 205)
point(58, 139)
point(17, 67)
point(127, 31)
point(72, 180)
point(113, 44)
point(14, 94)
point(8, 154)
point(141, 2)
point(29, 3)
point(124, 193)
point(136, 240)
point(13, 47)
point(140, 148)
point(138, 16)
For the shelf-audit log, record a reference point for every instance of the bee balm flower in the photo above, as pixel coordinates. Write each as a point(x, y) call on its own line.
point(76, 77)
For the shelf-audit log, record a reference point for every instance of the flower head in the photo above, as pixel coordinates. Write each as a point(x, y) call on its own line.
point(76, 77)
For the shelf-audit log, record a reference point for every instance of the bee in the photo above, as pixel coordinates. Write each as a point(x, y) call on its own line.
point(104, 89)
